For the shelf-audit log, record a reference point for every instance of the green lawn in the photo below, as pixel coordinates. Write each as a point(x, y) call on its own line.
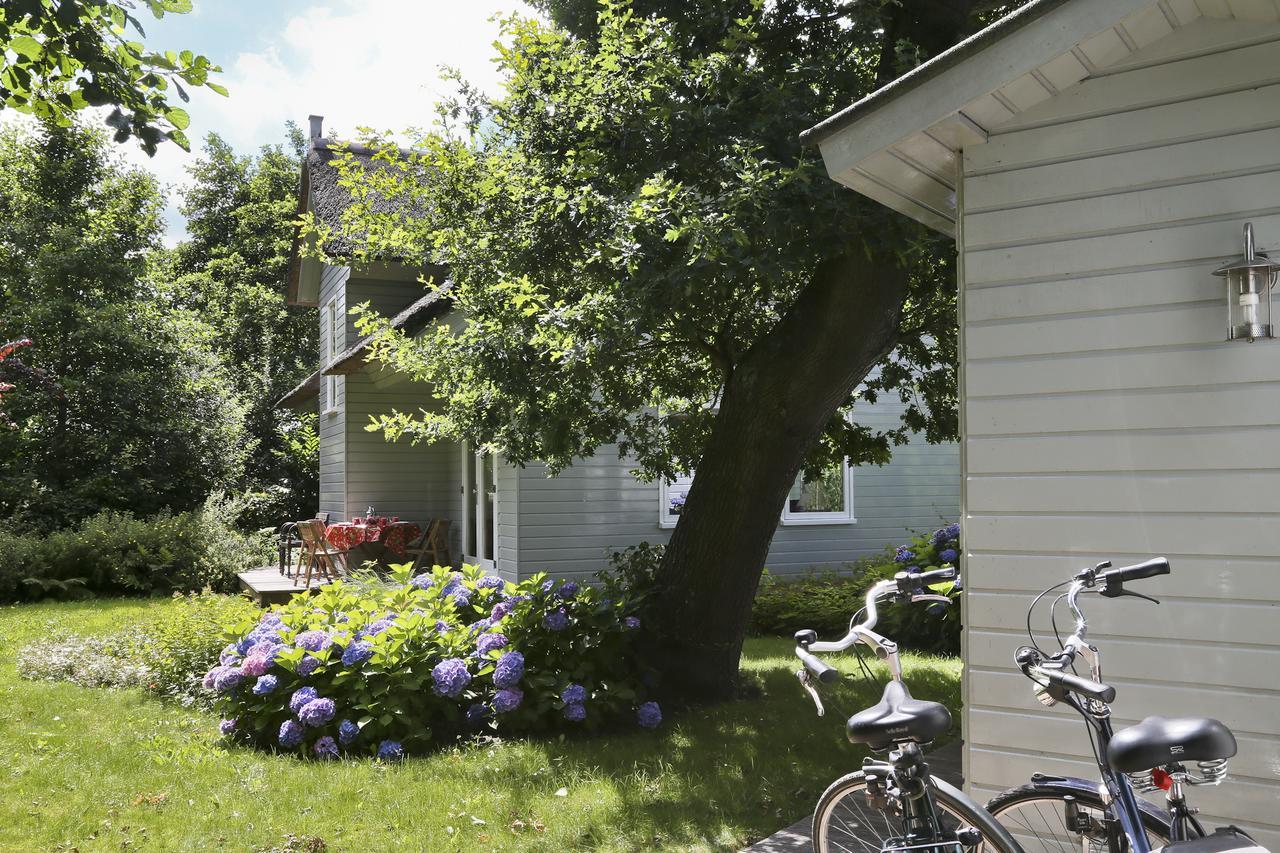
point(96, 770)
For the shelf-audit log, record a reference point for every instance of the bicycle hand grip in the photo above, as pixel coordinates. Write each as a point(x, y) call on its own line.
point(1147, 569)
point(1084, 686)
point(821, 671)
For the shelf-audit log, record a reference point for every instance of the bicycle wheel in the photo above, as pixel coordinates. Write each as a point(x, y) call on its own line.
point(1037, 819)
point(845, 822)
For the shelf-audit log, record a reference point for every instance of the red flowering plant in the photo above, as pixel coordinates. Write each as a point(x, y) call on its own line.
point(15, 369)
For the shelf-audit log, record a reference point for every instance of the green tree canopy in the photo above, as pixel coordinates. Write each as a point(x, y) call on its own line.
point(58, 57)
point(144, 418)
point(646, 256)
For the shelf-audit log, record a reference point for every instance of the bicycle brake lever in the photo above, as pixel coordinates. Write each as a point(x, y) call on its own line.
point(1120, 593)
point(807, 684)
point(941, 599)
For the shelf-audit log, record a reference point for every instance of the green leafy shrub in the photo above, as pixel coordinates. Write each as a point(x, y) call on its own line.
point(825, 601)
point(117, 553)
point(425, 659)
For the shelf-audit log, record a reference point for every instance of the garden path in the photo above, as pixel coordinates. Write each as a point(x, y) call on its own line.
point(945, 762)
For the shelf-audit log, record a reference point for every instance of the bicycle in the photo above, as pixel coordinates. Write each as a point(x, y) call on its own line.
point(893, 801)
point(1066, 812)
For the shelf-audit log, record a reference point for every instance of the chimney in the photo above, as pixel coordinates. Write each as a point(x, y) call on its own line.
point(317, 127)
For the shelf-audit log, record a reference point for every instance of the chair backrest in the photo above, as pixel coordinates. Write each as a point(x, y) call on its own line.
point(322, 517)
point(438, 533)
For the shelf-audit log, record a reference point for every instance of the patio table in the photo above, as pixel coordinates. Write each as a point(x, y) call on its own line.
point(395, 535)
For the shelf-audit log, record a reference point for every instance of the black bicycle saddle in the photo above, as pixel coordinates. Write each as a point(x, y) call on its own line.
point(896, 718)
point(1157, 741)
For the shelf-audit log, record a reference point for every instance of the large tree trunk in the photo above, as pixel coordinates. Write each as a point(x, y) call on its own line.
point(775, 405)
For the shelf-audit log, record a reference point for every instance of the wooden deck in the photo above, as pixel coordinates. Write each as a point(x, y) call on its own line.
point(268, 586)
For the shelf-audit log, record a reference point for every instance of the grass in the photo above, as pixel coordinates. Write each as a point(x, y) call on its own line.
point(96, 769)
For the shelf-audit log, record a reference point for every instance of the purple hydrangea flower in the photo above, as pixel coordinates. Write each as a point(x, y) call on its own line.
point(507, 699)
point(631, 622)
point(461, 598)
point(301, 697)
point(317, 712)
point(308, 665)
point(950, 533)
point(271, 617)
point(509, 671)
point(227, 727)
point(451, 677)
point(390, 750)
point(265, 684)
point(326, 748)
point(381, 625)
point(291, 734)
point(948, 555)
point(502, 608)
point(574, 694)
point(568, 589)
point(211, 677)
point(649, 715)
point(229, 680)
point(490, 582)
point(357, 653)
point(229, 656)
point(556, 620)
point(313, 641)
point(479, 627)
point(347, 732)
point(423, 581)
point(490, 643)
point(547, 586)
point(903, 554)
point(478, 713)
point(575, 713)
point(442, 626)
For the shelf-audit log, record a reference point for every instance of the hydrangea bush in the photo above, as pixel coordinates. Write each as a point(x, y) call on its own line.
point(391, 669)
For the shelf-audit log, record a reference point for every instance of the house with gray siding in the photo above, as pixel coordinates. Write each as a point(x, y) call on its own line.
point(520, 521)
point(1096, 161)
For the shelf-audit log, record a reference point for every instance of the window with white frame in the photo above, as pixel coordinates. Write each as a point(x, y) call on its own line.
point(824, 499)
point(332, 338)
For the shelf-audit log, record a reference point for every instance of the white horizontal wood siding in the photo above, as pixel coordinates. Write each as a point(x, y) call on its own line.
point(333, 422)
point(569, 523)
point(1106, 418)
point(387, 297)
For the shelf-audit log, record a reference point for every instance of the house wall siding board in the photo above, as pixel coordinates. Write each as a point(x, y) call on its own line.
point(333, 423)
point(568, 524)
point(386, 297)
point(1106, 418)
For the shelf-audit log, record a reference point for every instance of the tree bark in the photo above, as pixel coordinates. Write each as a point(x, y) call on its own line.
point(775, 405)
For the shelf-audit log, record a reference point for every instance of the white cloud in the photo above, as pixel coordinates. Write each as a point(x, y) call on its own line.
point(371, 63)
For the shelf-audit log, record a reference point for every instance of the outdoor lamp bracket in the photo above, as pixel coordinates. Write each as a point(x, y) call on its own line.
point(1250, 280)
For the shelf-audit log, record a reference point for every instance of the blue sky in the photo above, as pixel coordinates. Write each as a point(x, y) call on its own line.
point(358, 63)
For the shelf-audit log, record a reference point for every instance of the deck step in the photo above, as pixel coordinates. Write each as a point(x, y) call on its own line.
point(268, 586)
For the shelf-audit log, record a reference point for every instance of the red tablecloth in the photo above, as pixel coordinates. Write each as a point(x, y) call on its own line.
point(395, 535)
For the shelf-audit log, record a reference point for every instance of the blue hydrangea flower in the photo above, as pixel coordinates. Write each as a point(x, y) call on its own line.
point(390, 750)
point(631, 622)
point(291, 734)
point(308, 665)
point(381, 625)
point(211, 677)
point(490, 582)
point(950, 533)
point(547, 586)
point(271, 617)
point(317, 712)
point(227, 727)
point(229, 656)
point(948, 555)
point(347, 732)
point(326, 748)
point(461, 597)
point(357, 653)
point(649, 715)
point(575, 713)
point(301, 697)
point(903, 554)
point(423, 581)
point(509, 671)
point(442, 626)
point(507, 699)
point(490, 643)
point(479, 627)
point(229, 679)
point(451, 677)
point(574, 694)
point(313, 641)
point(568, 589)
point(265, 684)
point(556, 620)
point(502, 608)
point(478, 713)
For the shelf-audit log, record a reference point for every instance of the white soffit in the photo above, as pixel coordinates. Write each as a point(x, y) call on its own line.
point(901, 148)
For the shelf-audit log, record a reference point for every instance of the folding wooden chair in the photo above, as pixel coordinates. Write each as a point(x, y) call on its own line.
point(435, 547)
point(327, 561)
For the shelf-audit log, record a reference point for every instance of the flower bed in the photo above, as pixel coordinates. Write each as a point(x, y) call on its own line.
point(426, 659)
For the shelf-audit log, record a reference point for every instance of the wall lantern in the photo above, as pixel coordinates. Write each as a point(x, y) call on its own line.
point(1249, 282)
